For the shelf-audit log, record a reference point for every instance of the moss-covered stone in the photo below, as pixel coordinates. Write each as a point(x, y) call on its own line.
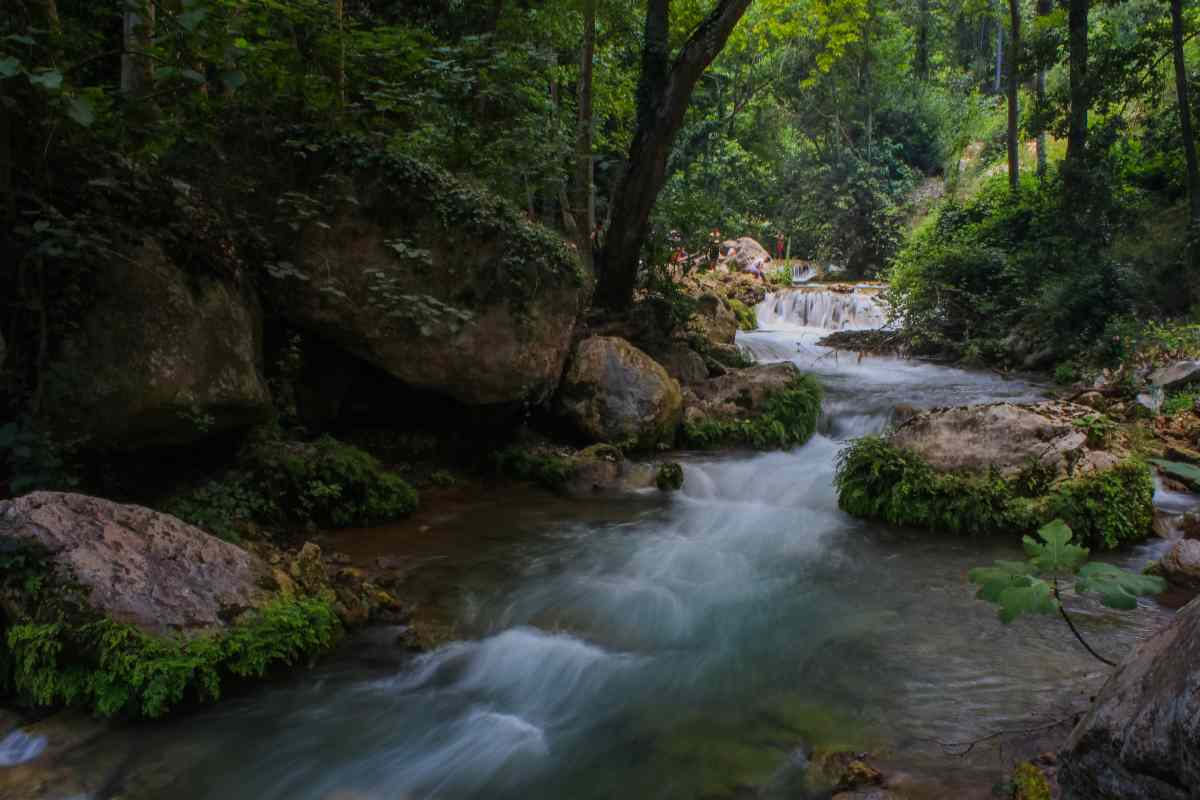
point(786, 418)
point(57, 651)
point(669, 477)
point(878, 480)
point(747, 320)
point(1029, 783)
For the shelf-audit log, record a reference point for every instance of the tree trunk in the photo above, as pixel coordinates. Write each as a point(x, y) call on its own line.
point(997, 85)
point(922, 60)
point(1077, 41)
point(136, 73)
point(585, 193)
point(1043, 8)
point(339, 12)
point(1014, 117)
point(664, 90)
point(1185, 123)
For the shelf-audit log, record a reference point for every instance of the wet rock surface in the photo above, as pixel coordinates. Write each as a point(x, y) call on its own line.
point(1139, 738)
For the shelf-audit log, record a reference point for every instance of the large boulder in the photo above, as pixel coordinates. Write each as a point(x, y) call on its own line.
point(1175, 375)
point(161, 356)
point(737, 254)
point(1002, 468)
point(612, 392)
point(138, 566)
point(1141, 738)
point(1005, 437)
point(437, 283)
point(764, 406)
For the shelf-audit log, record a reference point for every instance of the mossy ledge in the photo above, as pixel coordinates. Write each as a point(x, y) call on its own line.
point(55, 652)
point(788, 419)
point(878, 480)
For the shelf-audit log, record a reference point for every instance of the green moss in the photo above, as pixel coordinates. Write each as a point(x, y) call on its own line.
point(878, 481)
point(544, 468)
point(55, 651)
point(669, 477)
point(1029, 783)
point(746, 318)
point(788, 418)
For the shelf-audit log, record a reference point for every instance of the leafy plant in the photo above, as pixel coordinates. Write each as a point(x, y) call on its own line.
point(1032, 586)
point(1098, 428)
point(787, 419)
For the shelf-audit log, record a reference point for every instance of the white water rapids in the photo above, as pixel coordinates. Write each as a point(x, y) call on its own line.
point(689, 646)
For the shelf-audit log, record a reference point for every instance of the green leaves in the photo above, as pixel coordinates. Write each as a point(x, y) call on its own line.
point(1016, 586)
point(1118, 588)
point(1057, 555)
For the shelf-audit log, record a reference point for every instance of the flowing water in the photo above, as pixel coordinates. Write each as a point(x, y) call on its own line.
point(688, 646)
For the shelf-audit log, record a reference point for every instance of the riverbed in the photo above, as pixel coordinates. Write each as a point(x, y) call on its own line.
point(696, 645)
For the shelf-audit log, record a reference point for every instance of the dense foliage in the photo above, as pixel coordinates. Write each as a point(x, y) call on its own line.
point(788, 418)
point(877, 480)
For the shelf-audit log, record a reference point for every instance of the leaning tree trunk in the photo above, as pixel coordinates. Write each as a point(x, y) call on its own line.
point(1185, 123)
point(1014, 117)
point(1080, 93)
point(663, 93)
point(585, 194)
point(1043, 8)
point(922, 43)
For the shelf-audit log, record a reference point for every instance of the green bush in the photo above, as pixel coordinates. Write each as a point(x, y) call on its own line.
point(876, 480)
point(788, 419)
point(746, 318)
point(544, 468)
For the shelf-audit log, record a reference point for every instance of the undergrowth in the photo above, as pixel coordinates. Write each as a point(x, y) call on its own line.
point(879, 481)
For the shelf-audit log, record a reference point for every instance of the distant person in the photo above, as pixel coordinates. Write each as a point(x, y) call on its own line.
point(756, 268)
point(779, 246)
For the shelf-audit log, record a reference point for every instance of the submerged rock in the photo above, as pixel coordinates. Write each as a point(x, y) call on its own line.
point(614, 393)
point(1001, 468)
point(1139, 738)
point(597, 469)
point(162, 356)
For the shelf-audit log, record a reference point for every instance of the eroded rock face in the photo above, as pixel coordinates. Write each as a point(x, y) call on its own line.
point(140, 566)
point(612, 392)
point(1139, 740)
point(437, 284)
point(739, 393)
point(161, 357)
point(1006, 436)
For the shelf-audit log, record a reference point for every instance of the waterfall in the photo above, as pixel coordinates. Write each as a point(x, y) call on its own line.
point(856, 309)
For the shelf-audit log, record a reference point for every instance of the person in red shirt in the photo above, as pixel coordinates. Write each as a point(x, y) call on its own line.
point(779, 245)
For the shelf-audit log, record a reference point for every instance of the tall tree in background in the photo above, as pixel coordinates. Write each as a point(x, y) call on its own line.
point(1185, 122)
point(1014, 116)
point(1080, 92)
point(585, 195)
point(922, 43)
point(664, 89)
point(1043, 8)
point(138, 34)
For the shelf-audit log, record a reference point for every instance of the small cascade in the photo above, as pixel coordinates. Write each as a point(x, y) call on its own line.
point(825, 308)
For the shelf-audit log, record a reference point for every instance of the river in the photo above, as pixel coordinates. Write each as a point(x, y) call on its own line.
point(696, 645)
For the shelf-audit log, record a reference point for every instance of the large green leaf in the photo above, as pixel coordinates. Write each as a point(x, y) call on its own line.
point(1057, 555)
point(1002, 575)
point(1035, 598)
point(1118, 588)
point(50, 79)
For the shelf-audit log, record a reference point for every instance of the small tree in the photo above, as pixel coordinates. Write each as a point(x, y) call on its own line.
point(1032, 586)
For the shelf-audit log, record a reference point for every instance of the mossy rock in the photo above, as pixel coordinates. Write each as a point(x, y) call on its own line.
point(1105, 508)
point(669, 477)
point(747, 319)
point(1030, 783)
point(786, 417)
point(167, 635)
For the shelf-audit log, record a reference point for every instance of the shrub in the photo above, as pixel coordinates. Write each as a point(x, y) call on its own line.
point(746, 318)
point(544, 468)
point(877, 480)
point(787, 419)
